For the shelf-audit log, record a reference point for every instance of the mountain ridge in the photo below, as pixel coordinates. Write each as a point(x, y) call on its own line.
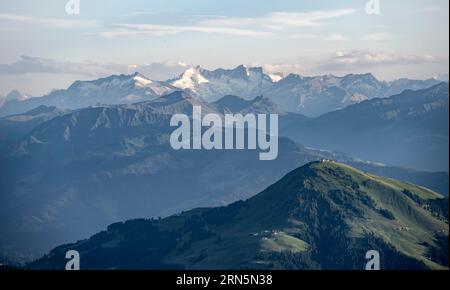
point(311, 96)
point(114, 89)
point(396, 130)
point(323, 215)
point(83, 161)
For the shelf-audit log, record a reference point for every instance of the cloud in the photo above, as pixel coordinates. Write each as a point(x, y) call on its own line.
point(39, 65)
point(333, 37)
point(161, 70)
point(30, 64)
point(377, 36)
point(240, 26)
point(141, 13)
point(10, 29)
point(280, 20)
point(303, 36)
point(283, 68)
point(352, 61)
point(338, 37)
point(125, 29)
point(58, 23)
point(358, 59)
point(432, 8)
point(38, 76)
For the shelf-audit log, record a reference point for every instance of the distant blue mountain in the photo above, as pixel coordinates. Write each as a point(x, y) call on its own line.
point(310, 96)
point(409, 129)
point(115, 89)
point(72, 175)
point(14, 127)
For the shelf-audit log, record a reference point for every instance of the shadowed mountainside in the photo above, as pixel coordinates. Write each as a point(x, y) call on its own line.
point(324, 215)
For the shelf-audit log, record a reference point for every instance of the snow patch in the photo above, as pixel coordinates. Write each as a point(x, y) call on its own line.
point(275, 77)
point(141, 81)
point(356, 98)
point(190, 79)
point(131, 97)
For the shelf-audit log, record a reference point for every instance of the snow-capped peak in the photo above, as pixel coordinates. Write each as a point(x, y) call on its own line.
point(355, 98)
point(276, 77)
point(190, 79)
point(247, 72)
point(242, 80)
point(141, 81)
point(16, 95)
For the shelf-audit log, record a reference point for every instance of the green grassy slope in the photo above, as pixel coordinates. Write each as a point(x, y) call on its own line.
point(324, 215)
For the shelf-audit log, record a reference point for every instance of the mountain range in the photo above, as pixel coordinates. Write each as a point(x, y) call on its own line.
point(14, 127)
point(98, 152)
point(409, 129)
point(310, 96)
point(324, 215)
point(115, 89)
point(97, 165)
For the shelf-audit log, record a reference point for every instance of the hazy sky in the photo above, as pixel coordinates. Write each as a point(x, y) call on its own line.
point(43, 47)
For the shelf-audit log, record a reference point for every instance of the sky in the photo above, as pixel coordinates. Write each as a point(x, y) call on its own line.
point(45, 46)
